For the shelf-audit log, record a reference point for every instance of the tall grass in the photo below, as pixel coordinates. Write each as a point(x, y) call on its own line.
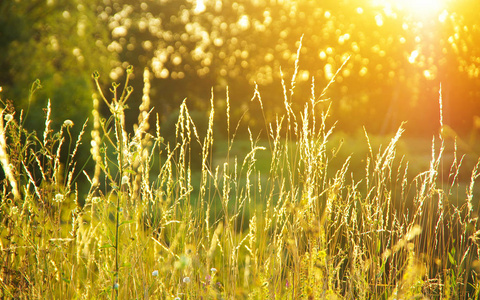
point(151, 226)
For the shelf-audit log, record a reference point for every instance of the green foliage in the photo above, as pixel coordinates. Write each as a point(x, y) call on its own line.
point(59, 43)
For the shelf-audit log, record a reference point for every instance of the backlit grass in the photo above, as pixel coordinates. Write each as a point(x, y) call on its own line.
point(283, 217)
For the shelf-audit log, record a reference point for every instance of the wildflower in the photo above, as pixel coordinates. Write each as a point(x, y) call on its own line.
point(59, 198)
point(155, 273)
point(213, 270)
point(8, 117)
point(14, 210)
point(186, 280)
point(125, 179)
point(68, 123)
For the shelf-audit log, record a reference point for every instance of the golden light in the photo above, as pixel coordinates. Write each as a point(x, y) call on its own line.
point(413, 56)
point(423, 6)
point(416, 7)
point(199, 7)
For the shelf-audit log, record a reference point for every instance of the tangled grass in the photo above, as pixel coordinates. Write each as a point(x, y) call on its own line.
point(151, 226)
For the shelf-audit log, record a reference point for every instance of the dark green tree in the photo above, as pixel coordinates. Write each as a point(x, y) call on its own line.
point(60, 43)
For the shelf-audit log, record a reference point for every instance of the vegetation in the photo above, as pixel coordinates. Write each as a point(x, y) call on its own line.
point(55, 42)
point(218, 194)
point(277, 221)
point(400, 53)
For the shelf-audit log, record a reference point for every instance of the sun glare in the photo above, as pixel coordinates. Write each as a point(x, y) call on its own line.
point(422, 6)
point(417, 7)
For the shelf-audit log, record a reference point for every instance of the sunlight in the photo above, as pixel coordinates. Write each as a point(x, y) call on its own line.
point(417, 7)
point(422, 6)
point(199, 7)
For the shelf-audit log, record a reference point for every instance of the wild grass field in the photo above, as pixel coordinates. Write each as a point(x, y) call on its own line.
point(281, 217)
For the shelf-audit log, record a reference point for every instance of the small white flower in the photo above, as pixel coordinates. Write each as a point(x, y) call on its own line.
point(68, 123)
point(59, 198)
point(8, 117)
point(155, 273)
point(186, 280)
point(125, 179)
point(14, 210)
point(213, 270)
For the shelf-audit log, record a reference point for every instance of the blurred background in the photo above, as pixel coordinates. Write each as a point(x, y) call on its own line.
point(399, 54)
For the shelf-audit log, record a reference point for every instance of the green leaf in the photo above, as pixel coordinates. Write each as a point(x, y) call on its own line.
point(107, 246)
point(130, 171)
point(451, 259)
point(126, 222)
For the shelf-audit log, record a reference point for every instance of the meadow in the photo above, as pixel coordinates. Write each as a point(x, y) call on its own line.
point(298, 213)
